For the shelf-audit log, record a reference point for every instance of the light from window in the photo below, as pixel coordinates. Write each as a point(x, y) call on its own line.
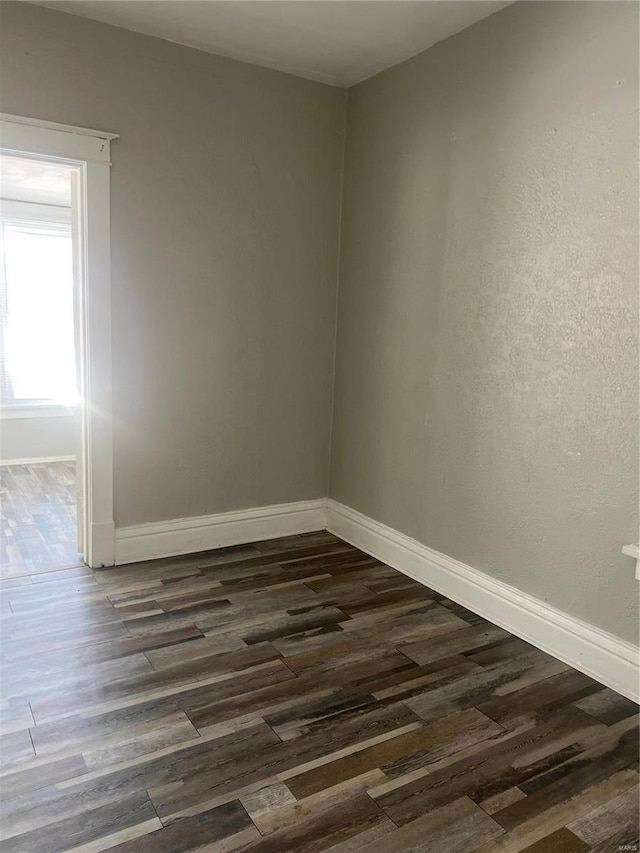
point(37, 327)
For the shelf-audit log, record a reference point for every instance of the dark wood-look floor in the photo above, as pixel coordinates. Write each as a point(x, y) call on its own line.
point(295, 696)
point(38, 515)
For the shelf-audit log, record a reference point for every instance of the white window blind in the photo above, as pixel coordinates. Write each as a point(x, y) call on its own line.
point(37, 358)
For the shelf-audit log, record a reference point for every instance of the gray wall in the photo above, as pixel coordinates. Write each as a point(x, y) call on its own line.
point(486, 374)
point(487, 377)
point(33, 438)
point(225, 201)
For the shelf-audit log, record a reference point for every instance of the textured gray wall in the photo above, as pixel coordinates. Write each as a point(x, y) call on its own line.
point(225, 202)
point(487, 378)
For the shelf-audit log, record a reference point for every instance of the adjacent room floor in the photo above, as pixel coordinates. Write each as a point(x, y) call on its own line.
point(38, 512)
point(295, 696)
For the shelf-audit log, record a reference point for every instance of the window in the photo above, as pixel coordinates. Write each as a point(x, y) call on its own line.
point(37, 357)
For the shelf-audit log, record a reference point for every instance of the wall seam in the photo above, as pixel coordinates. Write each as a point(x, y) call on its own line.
point(337, 312)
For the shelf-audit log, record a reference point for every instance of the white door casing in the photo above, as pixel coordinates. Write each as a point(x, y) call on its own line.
point(89, 151)
point(77, 245)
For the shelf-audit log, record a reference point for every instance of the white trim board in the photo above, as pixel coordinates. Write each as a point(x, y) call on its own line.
point(55, 125)
point(24, 134)
point(38, 460)
point(602, 656)
point(205, 532)
point(21, 413)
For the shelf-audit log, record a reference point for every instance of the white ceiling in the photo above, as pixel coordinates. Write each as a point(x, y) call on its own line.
point(23, 179)
point(334, 41)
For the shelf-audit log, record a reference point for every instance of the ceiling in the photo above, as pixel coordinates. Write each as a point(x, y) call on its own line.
point(23, 179)
point(341, 42)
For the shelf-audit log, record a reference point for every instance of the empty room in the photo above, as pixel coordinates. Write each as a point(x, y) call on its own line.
point(319, 426)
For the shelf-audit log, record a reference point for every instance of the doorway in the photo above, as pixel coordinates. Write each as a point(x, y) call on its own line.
point(39, 368)
point(56, 455)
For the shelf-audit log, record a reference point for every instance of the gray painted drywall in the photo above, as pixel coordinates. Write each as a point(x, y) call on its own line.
point(486, 371)
point(487, 378)
point(37, 438)
point(225, 195)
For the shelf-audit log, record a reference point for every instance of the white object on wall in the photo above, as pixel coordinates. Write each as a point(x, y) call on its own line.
point(633, 551)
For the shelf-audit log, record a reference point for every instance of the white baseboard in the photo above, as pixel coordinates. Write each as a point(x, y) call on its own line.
point(37, 460)
point(602, 656)
point(202, 533)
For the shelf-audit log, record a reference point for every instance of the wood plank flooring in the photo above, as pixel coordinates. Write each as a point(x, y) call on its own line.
point(295, 696)
point(38, 518)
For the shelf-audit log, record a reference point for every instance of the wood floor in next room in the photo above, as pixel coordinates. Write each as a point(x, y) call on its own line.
point(295, 696)
point(38, 514)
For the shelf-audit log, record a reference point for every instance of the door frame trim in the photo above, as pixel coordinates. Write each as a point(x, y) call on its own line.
point(89, 151)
